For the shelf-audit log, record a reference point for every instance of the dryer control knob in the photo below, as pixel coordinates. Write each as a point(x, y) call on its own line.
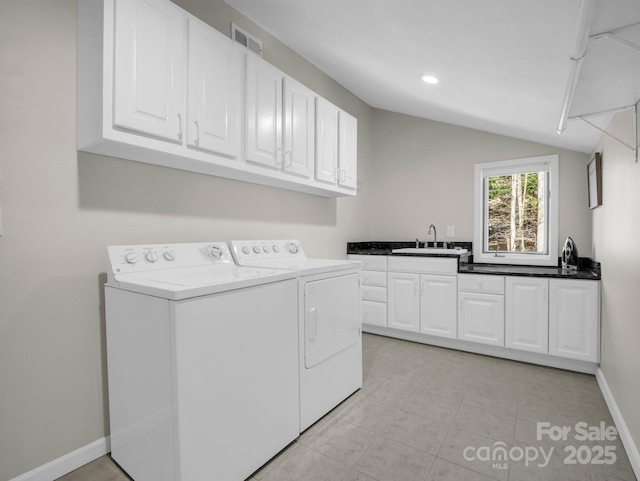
point(170, 256)
point(151, 256)
point(266, 249)
point(276, 248)
point(131, 258)
point(256, 249)
point(246, 250)
point(292, 248)
point(215, 252)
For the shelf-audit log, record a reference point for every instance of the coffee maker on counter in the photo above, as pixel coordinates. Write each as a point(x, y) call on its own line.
point(570, 255)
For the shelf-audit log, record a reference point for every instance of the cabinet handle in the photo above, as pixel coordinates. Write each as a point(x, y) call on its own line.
point(313, 324)
point(343, 175)
point(180, 126)
point(278, 158)
point(197, 141)
point(286, 166)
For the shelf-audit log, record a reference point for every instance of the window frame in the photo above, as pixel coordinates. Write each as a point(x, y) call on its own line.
point(549, 163)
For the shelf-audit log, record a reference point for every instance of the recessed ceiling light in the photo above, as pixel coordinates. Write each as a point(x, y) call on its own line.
point(430, 79)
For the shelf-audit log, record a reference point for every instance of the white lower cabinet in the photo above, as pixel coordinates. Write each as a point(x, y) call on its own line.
point(374, 313)
point(527, 314)
point(481, 309)
point(403, 301)
point(574, 319)
point(438, 316)
point(481, 318)
point(422, 295)
point(373, 289)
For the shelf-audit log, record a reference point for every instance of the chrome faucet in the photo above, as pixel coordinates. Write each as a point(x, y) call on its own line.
point(435, 235)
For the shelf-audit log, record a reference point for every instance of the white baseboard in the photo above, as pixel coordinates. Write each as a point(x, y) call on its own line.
point(67, 463)
point(623, 430)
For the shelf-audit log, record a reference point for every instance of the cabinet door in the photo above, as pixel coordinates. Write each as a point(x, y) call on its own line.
point(215, 74)
point(263, 112)
point(481, 318)
point(374, 313)
point(438, 311)
point(348, 150)
point(299, 128)
point(149, 63)
point(403, 302)
point(574, 319)
point(527, 314)
point(327, 141)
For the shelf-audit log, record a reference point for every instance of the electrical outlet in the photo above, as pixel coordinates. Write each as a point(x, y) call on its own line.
point(451, 231)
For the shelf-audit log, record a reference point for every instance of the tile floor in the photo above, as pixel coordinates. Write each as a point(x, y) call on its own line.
point(422, 408)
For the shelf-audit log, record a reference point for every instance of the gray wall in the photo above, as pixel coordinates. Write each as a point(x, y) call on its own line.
point(616, 230)
point(424, 175)
point(61, 208)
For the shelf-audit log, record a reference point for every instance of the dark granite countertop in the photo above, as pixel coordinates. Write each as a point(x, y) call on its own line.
point(589, 269)
point(528, 271)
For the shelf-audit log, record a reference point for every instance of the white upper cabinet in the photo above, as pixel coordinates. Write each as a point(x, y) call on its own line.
point(149, 68)
point(574, 319)
point(299, 131)
point(527, 314)
point(337, 145)
point(214, 93)
point(263, 112)
point(348, 150)
point(327, 141)
point(157, 85)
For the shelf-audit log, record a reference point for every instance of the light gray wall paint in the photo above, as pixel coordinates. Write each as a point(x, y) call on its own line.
point(616, 230)
point(424, 175)
point(61, 208)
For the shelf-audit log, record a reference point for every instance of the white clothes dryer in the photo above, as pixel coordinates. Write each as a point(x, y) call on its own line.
point(202, 362)
point(330, 336)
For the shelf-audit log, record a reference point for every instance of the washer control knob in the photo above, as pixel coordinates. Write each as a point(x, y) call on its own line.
point(131, 258)
point(170, 256)
point(256, 249)
point(246, 250)
point(215, 252)
point(266, 249)
point(151, 256)
point(292, 248)
point(276, 248)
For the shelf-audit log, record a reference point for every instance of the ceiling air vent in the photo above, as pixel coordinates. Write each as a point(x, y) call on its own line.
point(245, 39)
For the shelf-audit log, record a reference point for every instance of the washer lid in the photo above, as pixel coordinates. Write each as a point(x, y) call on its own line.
point(188, 282)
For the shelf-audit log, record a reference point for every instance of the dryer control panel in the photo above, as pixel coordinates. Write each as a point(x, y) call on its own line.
point(249, 250)
point(153, 257)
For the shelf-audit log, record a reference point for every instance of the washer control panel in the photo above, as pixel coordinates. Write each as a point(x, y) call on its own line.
point(248, 250)
point(151, 257)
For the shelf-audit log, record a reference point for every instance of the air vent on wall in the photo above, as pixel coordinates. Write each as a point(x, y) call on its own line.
point(245, 39)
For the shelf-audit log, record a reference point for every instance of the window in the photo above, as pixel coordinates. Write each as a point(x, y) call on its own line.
point(516, 211)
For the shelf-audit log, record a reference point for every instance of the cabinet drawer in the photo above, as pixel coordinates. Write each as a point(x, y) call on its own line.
point(423, 265)
point(480, 283)
point(374, 313)
point(373, 278)
point(370, 293)
point(370, 263)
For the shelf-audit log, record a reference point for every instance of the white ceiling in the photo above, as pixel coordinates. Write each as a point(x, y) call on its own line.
point(503, 64)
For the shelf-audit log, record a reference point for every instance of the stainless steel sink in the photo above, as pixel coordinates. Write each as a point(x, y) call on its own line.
point(429, 250)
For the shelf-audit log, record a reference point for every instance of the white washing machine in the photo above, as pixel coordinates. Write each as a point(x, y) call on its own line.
point(330, 335)
point(202, 362)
